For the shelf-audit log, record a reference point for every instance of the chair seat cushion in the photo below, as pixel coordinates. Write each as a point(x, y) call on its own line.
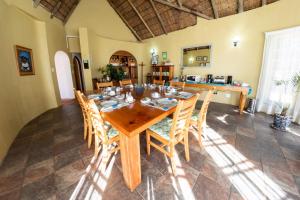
point(195, 115)
point(112, 132)
point(163, 128)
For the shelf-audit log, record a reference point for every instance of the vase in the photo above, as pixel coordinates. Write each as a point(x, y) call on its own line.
point(281, 122)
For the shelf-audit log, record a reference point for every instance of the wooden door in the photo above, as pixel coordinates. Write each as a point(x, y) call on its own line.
point(78, 74)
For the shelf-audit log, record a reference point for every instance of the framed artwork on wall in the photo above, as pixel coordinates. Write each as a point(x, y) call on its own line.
point(199, 58)
point(164, 55)
point(24, 59)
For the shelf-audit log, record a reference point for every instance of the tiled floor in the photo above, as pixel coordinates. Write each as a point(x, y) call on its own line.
point(242, 157)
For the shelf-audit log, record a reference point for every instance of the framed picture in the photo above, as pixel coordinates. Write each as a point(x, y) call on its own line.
point(24, 59)
point(199, 58)
point(164, 55)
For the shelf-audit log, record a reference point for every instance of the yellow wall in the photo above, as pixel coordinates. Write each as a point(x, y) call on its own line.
point(242, 62)
point(22, 98)
point(102, 49)
point(107, 34)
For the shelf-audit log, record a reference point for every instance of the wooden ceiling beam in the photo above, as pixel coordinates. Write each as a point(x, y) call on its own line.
point(36, 3)
point(240, 6)
point(55, 9)
point(71, 11)
point(159, 17)
point(214, 7)
point(179, 3)
point(263, 2)
point(125, 21)
point(184, 9)
point(141, 18)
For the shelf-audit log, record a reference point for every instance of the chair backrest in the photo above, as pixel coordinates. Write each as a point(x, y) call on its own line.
point(104, 85)
point(159, 82)
point(182, 117)
point(177, 84)
point(125, 82)
point(204, 107)
point(82, 100)
point(97, 120)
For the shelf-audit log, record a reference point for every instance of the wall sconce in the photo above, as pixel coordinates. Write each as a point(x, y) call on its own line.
point(236, 41)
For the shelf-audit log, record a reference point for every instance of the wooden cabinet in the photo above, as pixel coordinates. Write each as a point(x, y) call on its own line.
point(163, 72)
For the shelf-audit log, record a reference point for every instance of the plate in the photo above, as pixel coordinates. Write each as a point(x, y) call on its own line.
point(145, 100)
point(95, 96)
point(120, 97)
point(168, 93)
point(155, 95)
point(166, 101)
point(185, 94)
point(106, 104)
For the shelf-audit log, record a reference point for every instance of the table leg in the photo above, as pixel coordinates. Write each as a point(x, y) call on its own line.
point(243, 98)
point(131, 161)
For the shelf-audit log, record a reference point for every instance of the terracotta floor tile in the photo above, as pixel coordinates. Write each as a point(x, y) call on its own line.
point(50, 159)
point(69, 174)
point(206, 189)
point(38, 171)
point(41, 189)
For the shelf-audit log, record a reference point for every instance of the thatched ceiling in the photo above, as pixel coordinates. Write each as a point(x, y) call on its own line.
point(61, 9)
point(150, 18)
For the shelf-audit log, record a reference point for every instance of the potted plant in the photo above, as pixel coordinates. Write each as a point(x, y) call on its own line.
point(105, 73)
point(288, 87)
point(111, 72)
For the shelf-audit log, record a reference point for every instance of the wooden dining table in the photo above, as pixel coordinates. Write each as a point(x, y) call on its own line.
point(130, 121)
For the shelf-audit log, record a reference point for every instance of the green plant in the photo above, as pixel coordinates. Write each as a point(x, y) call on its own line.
point(296, 81)
point(116, 74)
point(288, 90)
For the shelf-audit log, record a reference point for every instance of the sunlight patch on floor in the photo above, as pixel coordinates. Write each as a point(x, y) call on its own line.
point(247, 178)
point(223, 118)
point(94, 182)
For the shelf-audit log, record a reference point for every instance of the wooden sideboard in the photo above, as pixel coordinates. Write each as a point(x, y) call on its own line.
point(242, 90)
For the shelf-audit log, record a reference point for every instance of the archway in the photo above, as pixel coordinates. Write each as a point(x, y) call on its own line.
point(64, 76)
point(126, 61)
point(78, 73)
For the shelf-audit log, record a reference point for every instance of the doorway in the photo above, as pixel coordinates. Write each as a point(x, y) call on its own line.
point(78, 76)
point(64, 76)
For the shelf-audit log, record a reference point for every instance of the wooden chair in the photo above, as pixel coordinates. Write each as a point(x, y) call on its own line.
point(199, 116)
point(101, 85)
point(125, 82)
point(177, 84)
point(104, 133)
point(159, 82)
point(170, 132)
point(88, 131)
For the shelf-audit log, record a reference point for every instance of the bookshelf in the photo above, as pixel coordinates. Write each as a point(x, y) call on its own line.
point(163, 72)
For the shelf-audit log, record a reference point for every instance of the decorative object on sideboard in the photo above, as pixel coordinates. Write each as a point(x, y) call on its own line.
point(229, 80)
point(219, 80)
point(24, 59)
point(210, 78)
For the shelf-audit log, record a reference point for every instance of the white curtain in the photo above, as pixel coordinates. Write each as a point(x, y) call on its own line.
point(281, 61)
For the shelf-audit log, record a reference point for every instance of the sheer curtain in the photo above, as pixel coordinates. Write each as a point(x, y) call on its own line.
point(280, 62)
